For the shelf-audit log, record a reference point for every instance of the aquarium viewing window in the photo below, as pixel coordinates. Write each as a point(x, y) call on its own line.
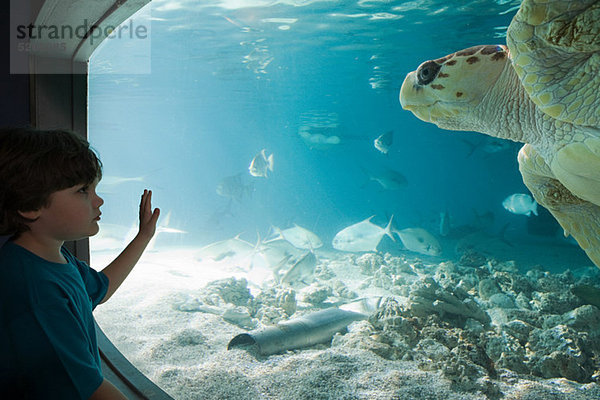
point(300, 201)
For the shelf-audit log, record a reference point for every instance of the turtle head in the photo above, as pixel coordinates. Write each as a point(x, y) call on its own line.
point(446, 90)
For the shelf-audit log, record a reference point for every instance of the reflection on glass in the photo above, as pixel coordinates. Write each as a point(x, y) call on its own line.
point(291, 181)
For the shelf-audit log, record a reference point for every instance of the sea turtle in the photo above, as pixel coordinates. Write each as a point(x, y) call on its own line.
point(542, 89)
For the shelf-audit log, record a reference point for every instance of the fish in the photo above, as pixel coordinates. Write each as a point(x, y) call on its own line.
point(587, 293)
point(362, 236)
point(388, 179)
point(420, 241)
point(383, 143)
point(520, 203)
point(233, 187)
point(302, 271)
point(300, 237)
point(110, 180)
point(444, 223)
point(163, 227)
point(488, 145)
point(221, 250)
point(275, 250)
point(261, 164)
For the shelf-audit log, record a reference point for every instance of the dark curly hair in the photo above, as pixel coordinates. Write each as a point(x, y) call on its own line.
point(36, 163)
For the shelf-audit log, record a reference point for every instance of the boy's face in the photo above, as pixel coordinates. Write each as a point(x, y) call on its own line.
point(72, 213)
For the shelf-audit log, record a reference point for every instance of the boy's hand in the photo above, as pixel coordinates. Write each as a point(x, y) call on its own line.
point(148, 218)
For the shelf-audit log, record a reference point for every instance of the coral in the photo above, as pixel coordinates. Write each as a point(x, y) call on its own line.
point(561, 352)
point(231, 290)
point(472, 258)
point(316, 293)
point(428, 296)
point(369, 263)
point(270, 315)
point(283, 298)
point(239, 316)
point(341, 290)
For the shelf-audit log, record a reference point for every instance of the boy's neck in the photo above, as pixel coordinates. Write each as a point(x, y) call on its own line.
point(47, 249)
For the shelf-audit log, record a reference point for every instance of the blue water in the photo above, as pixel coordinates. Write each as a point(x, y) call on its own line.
point(228, 79)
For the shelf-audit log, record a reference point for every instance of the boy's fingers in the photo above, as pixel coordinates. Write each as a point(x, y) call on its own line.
point(155, 215)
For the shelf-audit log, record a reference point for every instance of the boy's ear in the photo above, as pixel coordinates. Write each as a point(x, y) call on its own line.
point(31, 215)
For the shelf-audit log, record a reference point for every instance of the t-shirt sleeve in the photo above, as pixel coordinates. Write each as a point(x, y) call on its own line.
point(96, 282)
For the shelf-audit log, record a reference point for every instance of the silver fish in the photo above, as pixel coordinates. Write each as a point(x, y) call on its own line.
point(420, 241)
point(300, 237)
point(520, 203)
point(362, 236)
point(303, 270)
point(389, 179)
point(261, 164)
point(233, 187)
point(384, 142)
point(218, 251)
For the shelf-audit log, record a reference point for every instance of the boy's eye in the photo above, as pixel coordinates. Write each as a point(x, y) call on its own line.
point(83, 189)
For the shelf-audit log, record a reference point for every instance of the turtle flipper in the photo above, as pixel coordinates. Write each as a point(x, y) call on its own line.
point(555, 48)
point(579, 218)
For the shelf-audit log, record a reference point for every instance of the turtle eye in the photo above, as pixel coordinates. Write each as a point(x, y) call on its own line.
point(427, 72)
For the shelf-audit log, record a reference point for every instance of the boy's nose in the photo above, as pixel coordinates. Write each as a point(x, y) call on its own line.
point(99, 201)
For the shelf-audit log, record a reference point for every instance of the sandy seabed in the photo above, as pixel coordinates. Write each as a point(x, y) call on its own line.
point(159, 321)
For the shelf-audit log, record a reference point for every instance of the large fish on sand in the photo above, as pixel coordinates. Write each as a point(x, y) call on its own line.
point(420, 241)
point(218, 251)
point(362, 236)
point(261, 164)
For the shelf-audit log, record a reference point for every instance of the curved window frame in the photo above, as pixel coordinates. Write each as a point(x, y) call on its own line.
point(60, 101)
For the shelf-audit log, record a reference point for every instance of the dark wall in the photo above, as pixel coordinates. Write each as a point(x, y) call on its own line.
point(14, 89)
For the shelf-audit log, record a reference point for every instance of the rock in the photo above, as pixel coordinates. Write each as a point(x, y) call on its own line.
point(506, 352)
point(362, 335)
point(522, 301)
point(473, 326)
point(501, 300)
point(239, 316)
point(487, 288)
point(557, 302)
point(472, 258)
point(584, 318)
point(561, 352)
point(433, 352)
point(518, 329)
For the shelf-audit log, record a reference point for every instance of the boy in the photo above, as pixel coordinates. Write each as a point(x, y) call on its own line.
point(48, 345)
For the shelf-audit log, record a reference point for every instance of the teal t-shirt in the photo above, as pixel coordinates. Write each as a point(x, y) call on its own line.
point(48, 347)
